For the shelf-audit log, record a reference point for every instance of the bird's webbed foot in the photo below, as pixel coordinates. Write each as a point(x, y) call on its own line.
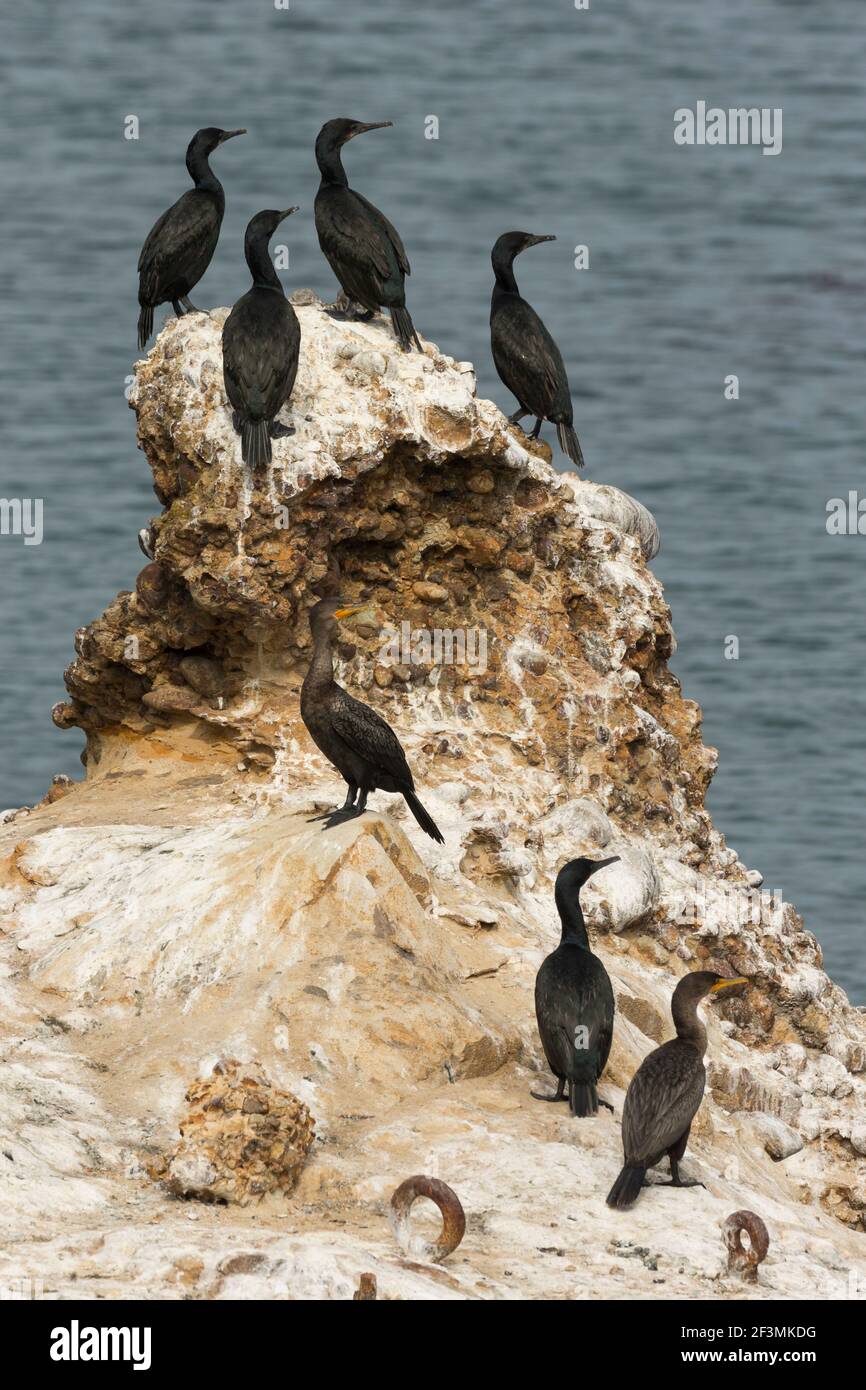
point(680, 1182)
point(344, 814)
point(537, 430)
point(277, 430)
point(341, 307)
point(333, 817)
point(606, 1103)
point(191, 308)
point(560, 1093)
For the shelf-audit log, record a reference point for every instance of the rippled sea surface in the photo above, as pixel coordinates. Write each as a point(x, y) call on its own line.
point(703, 262)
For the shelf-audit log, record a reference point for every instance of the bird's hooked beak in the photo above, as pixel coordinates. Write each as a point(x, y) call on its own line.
point(230, 134)
point(537, 240)
point(361, 128)
point(603, 863)
point(349, 610)
point(726, 984)
point(281, 217)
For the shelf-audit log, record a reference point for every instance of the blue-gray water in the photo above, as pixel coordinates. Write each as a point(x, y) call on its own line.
point(703, 262)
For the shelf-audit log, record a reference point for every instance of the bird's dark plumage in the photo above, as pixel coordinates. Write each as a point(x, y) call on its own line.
point(179, 247)
point(362, 747)
point(526, 357)
point(261, 344)
point(574, 1002)
point(666, 1091)
point(362, 247)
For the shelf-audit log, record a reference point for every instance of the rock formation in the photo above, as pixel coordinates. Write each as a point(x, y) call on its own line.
point(179, 906)
point(240, 1139)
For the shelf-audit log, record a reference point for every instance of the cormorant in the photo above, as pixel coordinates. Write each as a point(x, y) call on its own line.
point(363, 748)
point(574, 998)
point(527, 359)
point(666, 1091)
point(363, 249)
point(261, 342)
point(180, 245)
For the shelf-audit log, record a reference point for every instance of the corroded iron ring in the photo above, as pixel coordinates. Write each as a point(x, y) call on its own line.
point(453, 1217)
point(744, 1260)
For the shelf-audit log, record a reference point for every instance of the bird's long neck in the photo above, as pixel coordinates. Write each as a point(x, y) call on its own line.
point(687, 1023)
point(331, 167)
point(202, 174)
point(504, 271)
point(571, 916)
point(258, 258)
point(320, 672)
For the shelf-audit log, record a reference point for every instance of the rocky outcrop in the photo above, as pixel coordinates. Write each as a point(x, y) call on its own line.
point(240, 1139)
point(180, 906)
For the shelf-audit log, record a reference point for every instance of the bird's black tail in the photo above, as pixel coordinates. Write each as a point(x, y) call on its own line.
point(582, 1098)
point(404, 328)
point(424, 819)
point(145, 325)
point(626, 1189)
point(255, 443)
point(569, 443)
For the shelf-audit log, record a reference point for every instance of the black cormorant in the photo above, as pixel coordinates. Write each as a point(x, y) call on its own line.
point(363, 748)
point(261, 342)
point(360, 244)
point(180, 245)
point(574, 998)
point(527, 359)
point(666, 1091)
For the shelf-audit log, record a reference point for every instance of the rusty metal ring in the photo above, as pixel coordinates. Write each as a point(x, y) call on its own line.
point(453, 1217)
point(741, 1259)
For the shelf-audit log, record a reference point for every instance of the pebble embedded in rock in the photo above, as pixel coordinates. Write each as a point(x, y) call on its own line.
point(430, 593)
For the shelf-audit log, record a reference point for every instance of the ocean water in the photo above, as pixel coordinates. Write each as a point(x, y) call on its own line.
point(703, 262)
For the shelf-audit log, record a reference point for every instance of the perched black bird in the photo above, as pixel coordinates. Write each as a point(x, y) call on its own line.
point(527, 359)
point(574, 999)
point(261, 343)
point(180, 245)
point(363, 748)
point(360, 244)
point(666, 1091)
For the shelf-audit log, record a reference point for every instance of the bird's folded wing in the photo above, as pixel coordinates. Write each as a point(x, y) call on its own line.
point(257, 368)
point(262, 378)
point(358, 237)
point(662, 1102)
point(519, 336)
point(390, 231)
point(368, 735)
point(175, 237)
point(567, 1008)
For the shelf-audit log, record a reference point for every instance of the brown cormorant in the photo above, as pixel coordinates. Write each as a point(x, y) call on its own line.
point(666, 1091)
point(360, 244)
point(180, 245)
point(574, 1001)
point(261, 342)
point(527, 359)
point(362, 747)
